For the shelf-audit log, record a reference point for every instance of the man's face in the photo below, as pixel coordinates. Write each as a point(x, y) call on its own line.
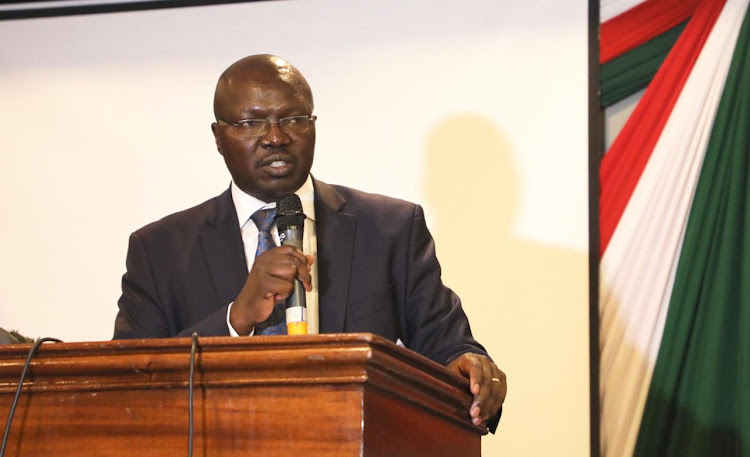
point(273, 164)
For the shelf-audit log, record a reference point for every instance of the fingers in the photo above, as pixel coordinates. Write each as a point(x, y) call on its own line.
point(271, 280)
point(493, 388)
point(292, 264)
point(486, 397)
point(497, 390)
point(284, 262)
point(486, 381)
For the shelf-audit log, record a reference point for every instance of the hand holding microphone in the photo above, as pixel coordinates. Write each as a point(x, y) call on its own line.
point(281, 273)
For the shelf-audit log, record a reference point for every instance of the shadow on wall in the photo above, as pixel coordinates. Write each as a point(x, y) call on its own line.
point(527, 302)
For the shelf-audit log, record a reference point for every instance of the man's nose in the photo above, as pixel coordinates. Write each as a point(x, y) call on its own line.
point(275, 136)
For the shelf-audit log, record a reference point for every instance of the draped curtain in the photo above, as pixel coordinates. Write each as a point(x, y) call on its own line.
point(675, 232)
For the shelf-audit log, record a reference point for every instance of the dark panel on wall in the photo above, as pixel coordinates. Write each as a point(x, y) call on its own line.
point(596, 149)
point(43, 8)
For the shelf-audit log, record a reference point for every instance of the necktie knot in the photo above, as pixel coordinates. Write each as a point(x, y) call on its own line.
point(263, 219)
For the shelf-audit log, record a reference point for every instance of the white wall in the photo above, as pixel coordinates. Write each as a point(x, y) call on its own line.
point(476, 106)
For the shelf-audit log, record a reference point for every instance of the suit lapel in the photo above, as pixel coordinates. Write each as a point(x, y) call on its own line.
point(335, 234)
point(222, 246)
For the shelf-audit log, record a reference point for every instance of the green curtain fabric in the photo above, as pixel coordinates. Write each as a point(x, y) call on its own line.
point(632, 71)
point(699, 399)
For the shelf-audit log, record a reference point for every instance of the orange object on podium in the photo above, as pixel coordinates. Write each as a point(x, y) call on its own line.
point(312, 395)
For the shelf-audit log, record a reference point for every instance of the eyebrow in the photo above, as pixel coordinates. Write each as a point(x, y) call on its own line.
point(259, 113)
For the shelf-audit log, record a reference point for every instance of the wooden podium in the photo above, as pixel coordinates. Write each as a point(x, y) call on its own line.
point(316, 395)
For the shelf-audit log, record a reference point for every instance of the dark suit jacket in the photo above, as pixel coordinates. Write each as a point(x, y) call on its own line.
point(377, 272)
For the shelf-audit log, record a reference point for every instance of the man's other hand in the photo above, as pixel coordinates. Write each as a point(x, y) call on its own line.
point(487, 383)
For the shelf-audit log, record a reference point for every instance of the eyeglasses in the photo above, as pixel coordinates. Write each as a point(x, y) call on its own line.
point(259, 127)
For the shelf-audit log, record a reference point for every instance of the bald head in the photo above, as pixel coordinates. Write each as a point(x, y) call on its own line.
point(258, 71)
point(277, 160)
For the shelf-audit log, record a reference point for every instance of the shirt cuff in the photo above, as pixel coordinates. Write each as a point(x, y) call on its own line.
point(232, 331)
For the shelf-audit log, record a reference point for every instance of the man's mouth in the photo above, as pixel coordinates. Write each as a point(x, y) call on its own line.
point(278, 167)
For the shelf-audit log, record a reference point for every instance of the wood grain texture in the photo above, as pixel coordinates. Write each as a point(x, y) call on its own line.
point(321, 395)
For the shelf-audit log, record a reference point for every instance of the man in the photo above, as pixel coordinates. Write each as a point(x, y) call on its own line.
point(370, 263)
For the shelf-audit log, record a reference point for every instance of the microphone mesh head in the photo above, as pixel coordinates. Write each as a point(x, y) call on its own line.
point(289, 213)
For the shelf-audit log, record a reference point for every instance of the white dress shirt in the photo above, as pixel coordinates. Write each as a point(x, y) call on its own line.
point(246, 205)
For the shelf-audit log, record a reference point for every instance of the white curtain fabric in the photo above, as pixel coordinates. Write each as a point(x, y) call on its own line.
point(611, 8)
point(638, 267)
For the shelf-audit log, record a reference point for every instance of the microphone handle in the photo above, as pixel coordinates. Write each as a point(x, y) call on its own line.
point(293, 237)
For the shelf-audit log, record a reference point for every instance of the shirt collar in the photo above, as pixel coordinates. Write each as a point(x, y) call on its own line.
point(246, 204)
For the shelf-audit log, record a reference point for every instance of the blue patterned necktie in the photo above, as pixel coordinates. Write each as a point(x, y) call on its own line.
point(276, 322)
point(263, 219)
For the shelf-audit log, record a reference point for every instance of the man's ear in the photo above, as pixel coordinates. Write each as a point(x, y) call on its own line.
point(217, 139)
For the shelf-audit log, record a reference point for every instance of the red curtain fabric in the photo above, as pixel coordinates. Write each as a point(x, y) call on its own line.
point(638, 25)
point(623, 164)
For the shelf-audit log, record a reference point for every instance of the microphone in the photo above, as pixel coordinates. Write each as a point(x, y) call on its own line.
point(290, 222)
